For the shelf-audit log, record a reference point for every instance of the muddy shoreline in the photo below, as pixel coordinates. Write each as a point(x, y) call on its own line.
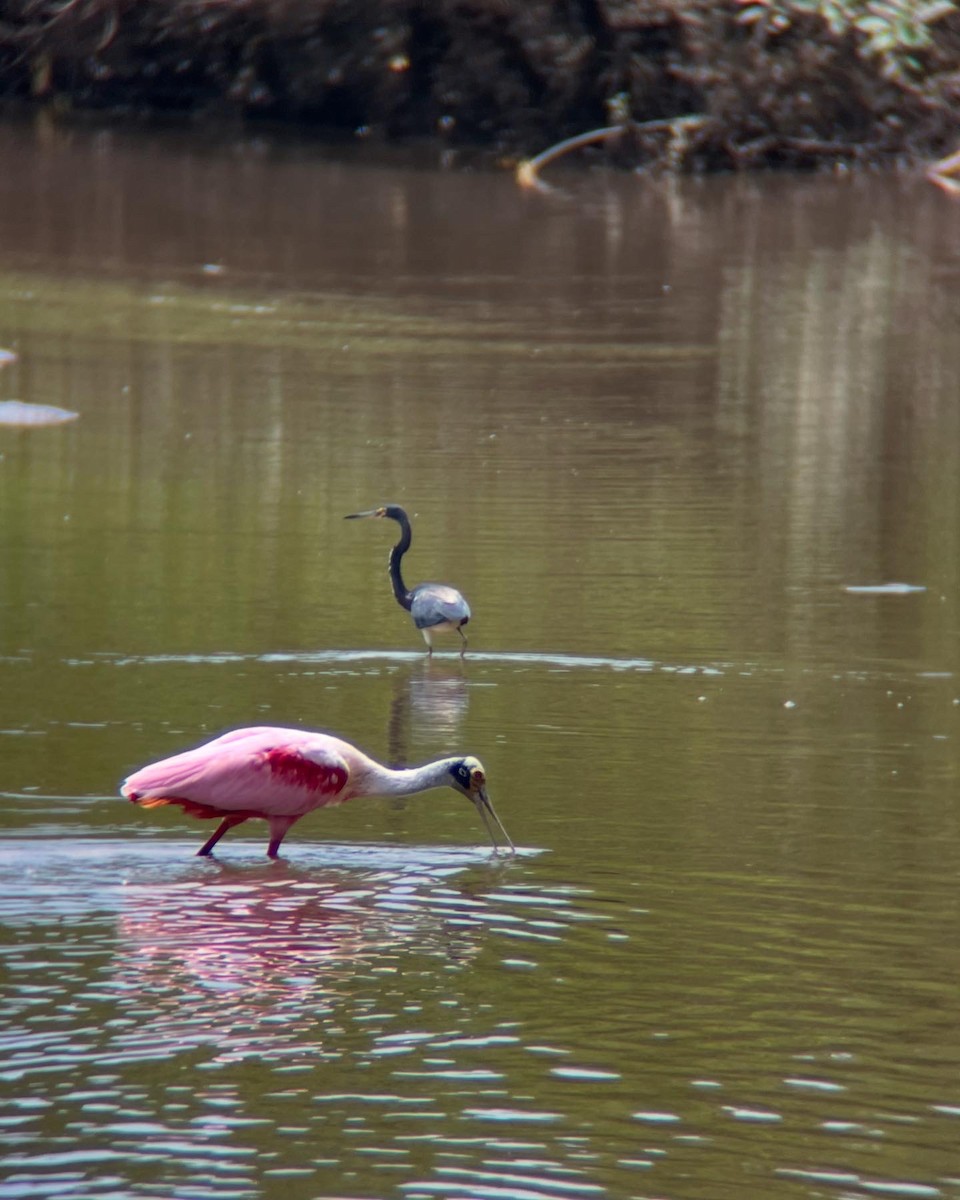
point(695, 87)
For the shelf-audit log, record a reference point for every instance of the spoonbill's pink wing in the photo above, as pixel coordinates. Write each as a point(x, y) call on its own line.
point(261, 772)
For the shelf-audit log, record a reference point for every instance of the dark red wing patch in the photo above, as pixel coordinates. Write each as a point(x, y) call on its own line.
point(294, 769)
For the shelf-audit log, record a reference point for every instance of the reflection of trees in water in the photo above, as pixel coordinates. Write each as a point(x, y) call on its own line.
point(222, 962)
point(429, 704)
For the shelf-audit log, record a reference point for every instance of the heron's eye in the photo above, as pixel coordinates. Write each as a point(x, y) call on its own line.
point(477, 778)
point(462, 774)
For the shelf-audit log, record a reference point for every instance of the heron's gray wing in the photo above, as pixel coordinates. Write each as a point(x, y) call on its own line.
point(435, 603)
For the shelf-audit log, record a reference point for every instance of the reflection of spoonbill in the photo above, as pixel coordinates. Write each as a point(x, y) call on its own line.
point(434, 606)
point(280, 775)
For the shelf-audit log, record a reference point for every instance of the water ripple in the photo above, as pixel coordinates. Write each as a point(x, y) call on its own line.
point(441, 689)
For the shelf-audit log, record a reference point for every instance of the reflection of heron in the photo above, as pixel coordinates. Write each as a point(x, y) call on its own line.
point(435, 607)
point(438, 697)
point(280, 775)
point(429, 700)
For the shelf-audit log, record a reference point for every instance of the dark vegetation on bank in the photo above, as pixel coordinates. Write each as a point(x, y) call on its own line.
point(693, 84)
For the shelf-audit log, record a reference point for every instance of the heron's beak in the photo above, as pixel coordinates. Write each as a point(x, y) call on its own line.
point(487, 811)
point(373, 512)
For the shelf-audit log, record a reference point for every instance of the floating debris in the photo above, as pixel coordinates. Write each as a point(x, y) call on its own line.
point(883, 589)
point(7, 357)
point(16, 412)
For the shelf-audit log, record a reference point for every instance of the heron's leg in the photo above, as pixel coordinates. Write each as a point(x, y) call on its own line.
point(463, 639)
point(427, 637)
point(225, 824)
point(278, 831)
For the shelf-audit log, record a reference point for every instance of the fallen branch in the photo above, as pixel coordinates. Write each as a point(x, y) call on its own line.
point(528, 172)
point(940, 172)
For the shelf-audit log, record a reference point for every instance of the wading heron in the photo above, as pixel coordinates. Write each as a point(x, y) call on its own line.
point(435, 607)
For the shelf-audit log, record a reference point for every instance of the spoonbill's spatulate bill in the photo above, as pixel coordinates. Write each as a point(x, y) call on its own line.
point(280, 775)
point(435, 607)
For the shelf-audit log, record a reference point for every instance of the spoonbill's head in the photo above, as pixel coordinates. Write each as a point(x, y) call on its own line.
point(468, 777)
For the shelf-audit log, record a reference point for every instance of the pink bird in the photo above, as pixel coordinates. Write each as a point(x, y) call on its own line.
point(280, 775)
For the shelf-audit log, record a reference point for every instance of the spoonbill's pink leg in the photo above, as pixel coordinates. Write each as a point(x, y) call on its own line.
point(278, 830)
point(225, 824)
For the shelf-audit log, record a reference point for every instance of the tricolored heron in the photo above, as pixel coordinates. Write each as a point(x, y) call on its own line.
point(280, 775)
point(435, 607)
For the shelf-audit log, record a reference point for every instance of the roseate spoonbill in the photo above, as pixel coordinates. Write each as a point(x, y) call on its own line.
point(280, 775)
point(435, 607)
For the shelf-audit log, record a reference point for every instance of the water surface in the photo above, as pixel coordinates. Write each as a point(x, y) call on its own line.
point(690, 450)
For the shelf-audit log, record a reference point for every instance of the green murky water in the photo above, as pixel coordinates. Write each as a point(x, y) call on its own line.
point(672, 442)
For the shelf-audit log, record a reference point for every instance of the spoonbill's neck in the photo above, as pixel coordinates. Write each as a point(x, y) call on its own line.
point(385, 781)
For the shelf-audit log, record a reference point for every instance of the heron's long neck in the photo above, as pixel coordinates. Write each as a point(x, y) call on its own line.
point(399, 550)
point(382, 781)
